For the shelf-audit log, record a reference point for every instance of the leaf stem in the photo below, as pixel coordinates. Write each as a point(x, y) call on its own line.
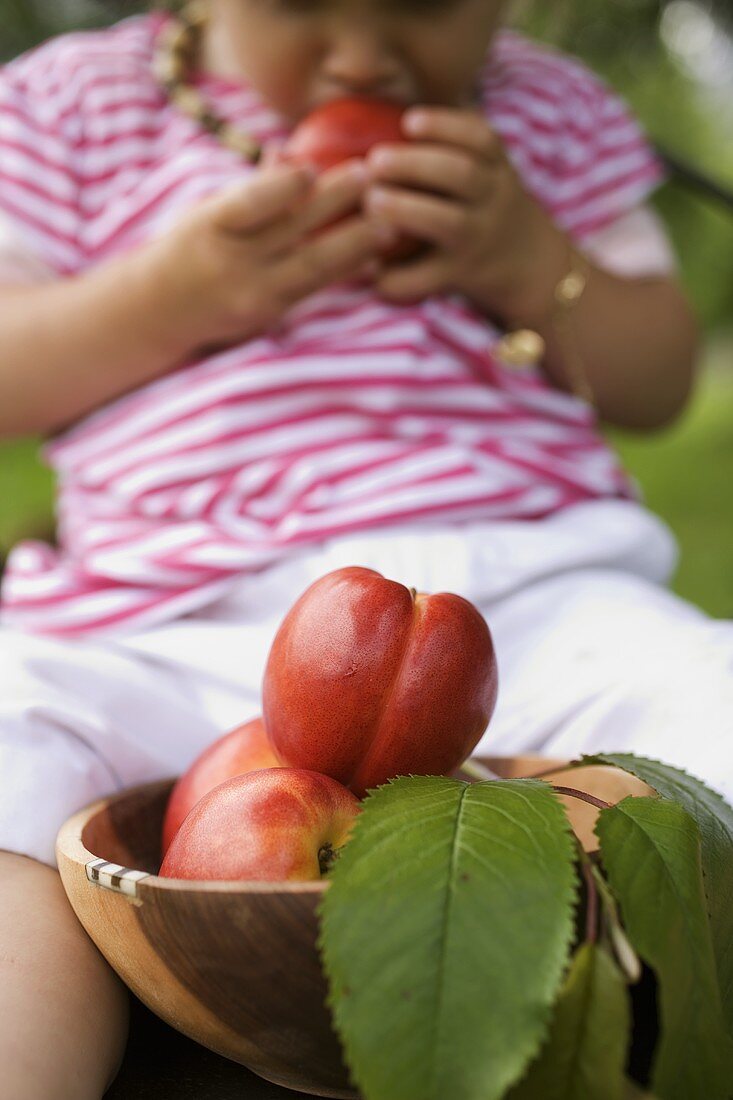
point(583, 795)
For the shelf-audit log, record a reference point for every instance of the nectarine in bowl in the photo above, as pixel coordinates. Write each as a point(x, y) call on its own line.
point(233, 965)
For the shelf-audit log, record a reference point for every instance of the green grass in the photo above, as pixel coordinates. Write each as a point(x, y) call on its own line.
point(26, 494)
point(686, 474)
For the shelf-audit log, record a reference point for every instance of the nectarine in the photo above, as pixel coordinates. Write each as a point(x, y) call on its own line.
point(245, 749)
point(273, 825)
point(367, 679)
point(348, 127)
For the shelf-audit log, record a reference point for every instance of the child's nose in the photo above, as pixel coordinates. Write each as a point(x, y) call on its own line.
point(359, 63)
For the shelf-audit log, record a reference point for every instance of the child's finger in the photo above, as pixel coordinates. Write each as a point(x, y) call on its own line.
point(272, 153)
point(434, 167)
point(427, 217)
point(337, 193)
point(339, 254)
point(264, 198)
point(414, 282)
point(452, 126)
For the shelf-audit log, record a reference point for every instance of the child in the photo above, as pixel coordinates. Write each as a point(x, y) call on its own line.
point(240, 394)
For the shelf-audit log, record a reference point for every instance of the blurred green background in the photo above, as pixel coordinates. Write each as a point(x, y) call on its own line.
point(673, 61)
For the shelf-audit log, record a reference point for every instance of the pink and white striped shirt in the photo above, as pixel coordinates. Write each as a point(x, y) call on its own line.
point(356, 413)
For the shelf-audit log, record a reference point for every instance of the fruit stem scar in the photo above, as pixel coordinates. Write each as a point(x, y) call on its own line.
point(327, 856)
point(413, 594)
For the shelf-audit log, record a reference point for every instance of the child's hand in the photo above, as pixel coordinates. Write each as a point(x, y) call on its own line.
point(235, 264)
point(492, 241)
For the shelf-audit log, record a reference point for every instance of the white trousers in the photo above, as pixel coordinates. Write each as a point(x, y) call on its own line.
point(594, 654)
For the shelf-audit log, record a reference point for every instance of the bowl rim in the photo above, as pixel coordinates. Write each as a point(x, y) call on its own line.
point(127, 880)
point(70, 846)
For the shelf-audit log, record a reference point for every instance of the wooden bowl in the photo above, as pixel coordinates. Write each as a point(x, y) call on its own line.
point(232, 965)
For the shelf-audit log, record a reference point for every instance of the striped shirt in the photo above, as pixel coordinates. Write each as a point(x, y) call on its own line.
point(356, 413)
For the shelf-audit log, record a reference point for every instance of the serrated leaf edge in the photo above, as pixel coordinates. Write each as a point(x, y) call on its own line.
point(668, 801)
point(670, 878)
point(600, 760)
point(544, 1028)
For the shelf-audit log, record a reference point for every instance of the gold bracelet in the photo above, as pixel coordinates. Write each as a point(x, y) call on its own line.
point(526, 348)
point(568, 293)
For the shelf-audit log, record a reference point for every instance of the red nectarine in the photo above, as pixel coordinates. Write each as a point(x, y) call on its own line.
point(273, 825)
point(348, 127)
point(244, 749)
point(344, 128)
point(367, 679)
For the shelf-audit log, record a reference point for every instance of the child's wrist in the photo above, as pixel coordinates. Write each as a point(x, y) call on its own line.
point(530, 301)
point(175, 332)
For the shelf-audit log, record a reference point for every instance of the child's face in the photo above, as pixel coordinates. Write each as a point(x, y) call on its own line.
point(300, 53)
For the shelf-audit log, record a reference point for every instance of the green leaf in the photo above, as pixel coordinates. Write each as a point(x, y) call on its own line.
point(714, 817)
point(650, 848)
point(445, 934)
point(585, 1055)
point(625, 955)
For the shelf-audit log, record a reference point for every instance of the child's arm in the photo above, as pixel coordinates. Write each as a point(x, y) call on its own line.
point(69, 346)
point(636, 339)
point(225, 273)
point(495, 244)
